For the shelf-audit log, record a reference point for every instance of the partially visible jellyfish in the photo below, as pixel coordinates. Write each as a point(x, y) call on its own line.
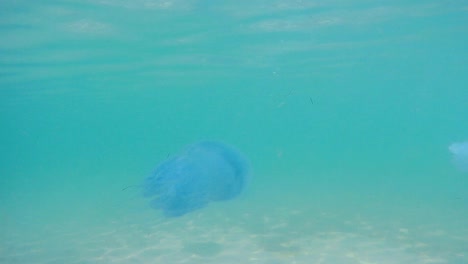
point(460, 155)
point(204, 172)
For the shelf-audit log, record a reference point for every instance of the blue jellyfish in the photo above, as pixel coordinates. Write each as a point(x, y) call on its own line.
point(460, 155)
point(204, 172)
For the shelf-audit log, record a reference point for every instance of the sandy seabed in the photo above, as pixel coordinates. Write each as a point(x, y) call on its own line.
point(255, 234)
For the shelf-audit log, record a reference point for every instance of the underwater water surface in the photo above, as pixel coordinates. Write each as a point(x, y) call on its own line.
point(347, 119)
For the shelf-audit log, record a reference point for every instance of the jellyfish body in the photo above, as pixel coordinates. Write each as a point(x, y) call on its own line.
point(460, 155)
point(204, 172)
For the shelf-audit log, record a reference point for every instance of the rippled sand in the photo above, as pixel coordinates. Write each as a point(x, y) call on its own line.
point(260, 234)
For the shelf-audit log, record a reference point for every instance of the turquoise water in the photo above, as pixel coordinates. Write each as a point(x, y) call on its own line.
point(345, 109)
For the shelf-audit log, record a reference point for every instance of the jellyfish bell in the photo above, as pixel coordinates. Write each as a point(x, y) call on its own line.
point(459, 151)
point(203, 172)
